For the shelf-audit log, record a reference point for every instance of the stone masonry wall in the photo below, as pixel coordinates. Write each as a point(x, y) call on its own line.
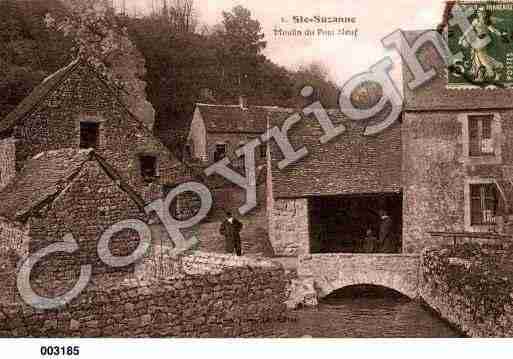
point(331, 272)
point(289, 227)
point(92, 203)
point(471, 288)
point(237, 300)
point(233, 142)
point(8, 264)
point(7, 161)
point(163, 263)
point(13, 236)
point(84, 97)
point(437, 171)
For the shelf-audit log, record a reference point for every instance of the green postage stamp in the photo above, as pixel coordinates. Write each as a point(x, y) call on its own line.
point(491, 65)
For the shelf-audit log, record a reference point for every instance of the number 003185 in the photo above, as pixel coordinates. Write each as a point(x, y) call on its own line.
point(56, 350)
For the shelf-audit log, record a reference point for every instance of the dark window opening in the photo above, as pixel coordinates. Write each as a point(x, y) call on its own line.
point(263, 151)
point(483, 204)
point(89, 134)
point(148, 167)
point(480, 133)
point(188, 151)
point(220, 152)
point(356, 224)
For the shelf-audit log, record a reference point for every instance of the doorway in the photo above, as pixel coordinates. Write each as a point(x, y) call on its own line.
point(347, 224)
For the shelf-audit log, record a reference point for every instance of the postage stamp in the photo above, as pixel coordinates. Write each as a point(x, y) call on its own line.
point(489, 65)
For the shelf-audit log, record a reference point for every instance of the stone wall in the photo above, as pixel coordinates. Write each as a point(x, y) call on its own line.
point(224, 297)
point(7, 161)
point(289, 227)
point(471, 288)
point(233, 142)
point(163, 262)
point(437, 172)
point(13, 236)
point(8, 264)
point(254, 236)
point(91, 204)
point(230, 197)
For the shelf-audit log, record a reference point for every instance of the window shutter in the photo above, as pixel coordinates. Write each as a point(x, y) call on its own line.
point(474, 142)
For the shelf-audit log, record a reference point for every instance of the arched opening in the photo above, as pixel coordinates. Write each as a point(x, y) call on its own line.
point(364, 291)
point(368, 311)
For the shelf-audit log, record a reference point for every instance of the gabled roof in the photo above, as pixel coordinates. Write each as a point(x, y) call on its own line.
point(45, 88)
point(52, 82)
point(36, 96)
point(48, 174)
point(351, 164)
point(234, 118)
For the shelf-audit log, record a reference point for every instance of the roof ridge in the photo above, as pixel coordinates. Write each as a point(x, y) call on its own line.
point(216, 105)
point(38, 94)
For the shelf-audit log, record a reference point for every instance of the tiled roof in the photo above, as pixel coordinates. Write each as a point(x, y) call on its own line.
point(45, 176)
point(435, 95)
point(350, 164)
point(234, 119)
point(36, 96)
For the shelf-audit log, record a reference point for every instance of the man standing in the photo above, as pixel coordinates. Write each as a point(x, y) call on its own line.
point(385, 227)
point(230, 229)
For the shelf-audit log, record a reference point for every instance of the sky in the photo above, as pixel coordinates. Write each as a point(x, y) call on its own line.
point(343, 56)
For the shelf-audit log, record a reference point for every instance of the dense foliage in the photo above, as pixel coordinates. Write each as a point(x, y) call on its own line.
point(183, 64)
point(480, 274)
point(29, 51)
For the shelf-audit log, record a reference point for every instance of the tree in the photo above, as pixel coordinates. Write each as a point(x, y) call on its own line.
point(29, 51)
point(316, 75)
point(103, 42)
point(241, 43)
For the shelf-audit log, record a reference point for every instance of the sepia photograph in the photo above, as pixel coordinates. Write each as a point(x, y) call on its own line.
point(227, 171)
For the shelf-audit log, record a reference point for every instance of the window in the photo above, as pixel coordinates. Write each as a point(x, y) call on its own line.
point(480, 133)
point(148, 167)
point(263, 151)
point(89, 133)
point(483, 204)
point(220, 152)
point(188, 151)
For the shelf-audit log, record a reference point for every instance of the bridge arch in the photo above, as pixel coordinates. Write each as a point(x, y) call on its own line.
point(397, 285)
point(364, 290)
point(336, 271)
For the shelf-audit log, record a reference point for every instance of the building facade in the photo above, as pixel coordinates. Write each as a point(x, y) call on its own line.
point(457, 157)
point(329, 200)
point(76, 108)
point(218, 131)
point(63, 192)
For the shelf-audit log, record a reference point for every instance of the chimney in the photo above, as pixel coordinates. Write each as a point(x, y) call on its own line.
point(243, 102)
point(7, 161)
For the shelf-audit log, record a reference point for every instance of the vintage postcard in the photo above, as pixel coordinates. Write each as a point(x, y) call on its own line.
point(192, 169)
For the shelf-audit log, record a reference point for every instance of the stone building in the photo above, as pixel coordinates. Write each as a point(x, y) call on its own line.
point(445, 166)
point(76, 108)
point(458, 156)
point(217, 131)
point(327, 201)
point(68, 191)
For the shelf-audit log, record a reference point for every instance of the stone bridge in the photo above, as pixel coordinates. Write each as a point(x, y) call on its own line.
point(335, 271)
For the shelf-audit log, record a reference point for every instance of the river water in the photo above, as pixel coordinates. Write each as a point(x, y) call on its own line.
point(364, 314)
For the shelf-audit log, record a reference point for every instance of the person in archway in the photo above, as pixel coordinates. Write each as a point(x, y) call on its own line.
point(385, 235)
point(230, 229)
